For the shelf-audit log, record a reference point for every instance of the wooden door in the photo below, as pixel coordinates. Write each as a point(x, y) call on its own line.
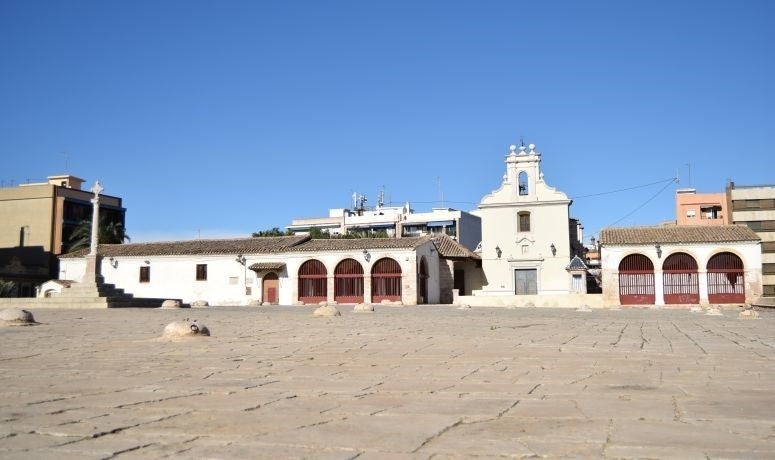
point(271, 286)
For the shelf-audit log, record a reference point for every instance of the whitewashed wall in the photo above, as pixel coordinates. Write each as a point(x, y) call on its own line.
point(749, 253)
point(548, 210)
point(175, 276)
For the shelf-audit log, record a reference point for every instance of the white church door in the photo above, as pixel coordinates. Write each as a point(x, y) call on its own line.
point(526, 281)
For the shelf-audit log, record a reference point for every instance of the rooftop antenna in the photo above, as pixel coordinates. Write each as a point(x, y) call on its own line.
point(441, 192)
point(522, 141)
point(381, 199)
point(67, 158)
point(689, 180)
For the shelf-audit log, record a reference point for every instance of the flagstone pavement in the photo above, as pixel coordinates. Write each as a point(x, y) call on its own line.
point(415, 382)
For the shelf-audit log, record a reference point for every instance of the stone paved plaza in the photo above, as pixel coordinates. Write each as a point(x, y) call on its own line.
point(414, 382)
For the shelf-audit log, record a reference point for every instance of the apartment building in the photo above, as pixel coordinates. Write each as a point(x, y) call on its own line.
point(37, 221)
point(754, 206)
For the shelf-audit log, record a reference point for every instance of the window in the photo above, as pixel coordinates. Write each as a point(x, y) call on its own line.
point(145, 274)
point(753, 204)
point(523, 183)
point(577, 284)
point(524, 221)
point(201, 272)
point(690, 213)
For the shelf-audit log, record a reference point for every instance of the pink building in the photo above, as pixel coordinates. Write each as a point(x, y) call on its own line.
point(692, 208)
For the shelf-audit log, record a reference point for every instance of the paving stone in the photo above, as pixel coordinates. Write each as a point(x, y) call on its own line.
point(411, 382)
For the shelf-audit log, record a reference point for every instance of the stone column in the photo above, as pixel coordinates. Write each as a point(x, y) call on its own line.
point(93, 260)
point(367, 287)
point(659, 288)
point(702, 285)
point(95, 219)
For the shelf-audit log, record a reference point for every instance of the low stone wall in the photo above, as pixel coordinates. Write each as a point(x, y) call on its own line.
point(540, 301)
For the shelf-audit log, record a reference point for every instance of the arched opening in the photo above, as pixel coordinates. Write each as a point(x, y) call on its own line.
point(680, 280)
point(271, 288)
point(422, 282)
point(636, 280)
point(386, 280)
point(726, 279)
point(348, 282)
point(523, 183)
point(312, 282)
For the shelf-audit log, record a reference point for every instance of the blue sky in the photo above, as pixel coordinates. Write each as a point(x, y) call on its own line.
point(221, 118)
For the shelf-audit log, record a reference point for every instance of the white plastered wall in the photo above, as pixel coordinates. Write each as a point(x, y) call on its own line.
point(548, 210)
point(749, 253)
point(174, 277)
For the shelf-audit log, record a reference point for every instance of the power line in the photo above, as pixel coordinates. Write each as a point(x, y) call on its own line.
point(672, 179)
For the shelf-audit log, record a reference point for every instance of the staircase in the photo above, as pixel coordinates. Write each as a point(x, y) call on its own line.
point(85, 295)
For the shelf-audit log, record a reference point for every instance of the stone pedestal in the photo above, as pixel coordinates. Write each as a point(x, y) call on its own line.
point(93, 270)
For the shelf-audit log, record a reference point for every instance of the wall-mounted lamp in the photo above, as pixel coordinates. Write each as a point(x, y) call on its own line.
point(241, 259)
point(147, 262)
point(498, 251)
point(366, 255)
point(553, 248)
point(659, 250)
point(113, 262)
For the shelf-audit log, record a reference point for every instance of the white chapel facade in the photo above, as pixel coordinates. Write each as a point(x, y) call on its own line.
point(526, 247)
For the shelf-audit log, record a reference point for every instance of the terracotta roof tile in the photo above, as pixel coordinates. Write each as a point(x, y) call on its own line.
point(259, 266)
point(677, 234)
point(346, 244)
point(576, 264)
point(451, 249)
point(260, 245)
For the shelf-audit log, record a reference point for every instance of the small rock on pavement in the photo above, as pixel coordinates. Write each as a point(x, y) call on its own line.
point(748, 314)
point(177, 329)
point(16, 317)
point(364, 308)
point(584, 308)
point(172, 304)
point(200, 303)
point(326, 310)
point(714, 312)
point(464, 307)
point(696, 309)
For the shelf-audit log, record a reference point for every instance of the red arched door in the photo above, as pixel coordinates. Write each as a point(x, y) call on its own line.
point(679, 279)
point(386, 280)
point(348, 282)
point(636, 280)
point(726, 280)
point(271, 287)
point(422, 282)
point(313, 282)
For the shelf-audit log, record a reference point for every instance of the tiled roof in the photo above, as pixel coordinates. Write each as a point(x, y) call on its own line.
point(260, 245)
point(576, 264)
point(259, 266)
point(451, 249)
point(346, 244)
point(677, 234)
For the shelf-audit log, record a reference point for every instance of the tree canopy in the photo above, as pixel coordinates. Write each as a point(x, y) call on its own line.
point(110, 233)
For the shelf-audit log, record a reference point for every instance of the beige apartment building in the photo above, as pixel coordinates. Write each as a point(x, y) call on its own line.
point(36, 223)
point(754, 206)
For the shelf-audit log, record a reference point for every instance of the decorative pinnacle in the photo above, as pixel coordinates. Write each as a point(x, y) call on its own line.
point(97, 189)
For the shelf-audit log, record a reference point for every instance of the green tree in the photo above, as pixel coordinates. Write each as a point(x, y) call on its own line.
point(274, 231)
point(110, 233)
